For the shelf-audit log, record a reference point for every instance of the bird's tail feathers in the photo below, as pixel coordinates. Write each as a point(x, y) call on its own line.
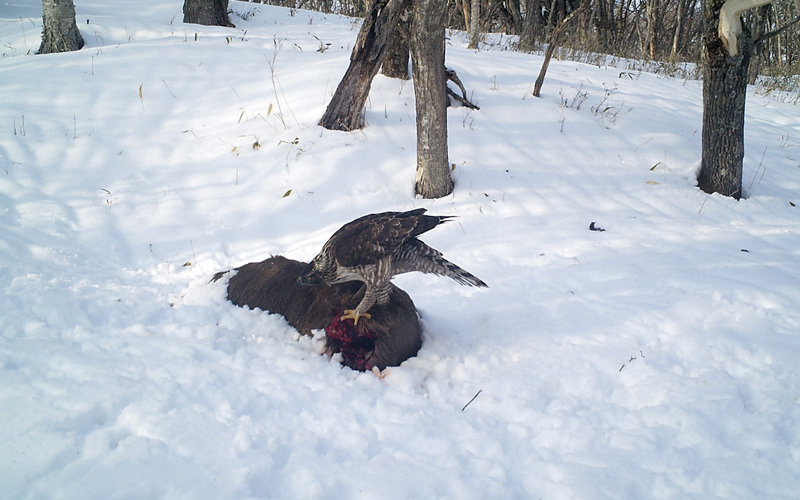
point(454, 272)
point(415, 255)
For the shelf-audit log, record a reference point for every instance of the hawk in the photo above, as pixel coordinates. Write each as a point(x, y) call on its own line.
point(375, 247)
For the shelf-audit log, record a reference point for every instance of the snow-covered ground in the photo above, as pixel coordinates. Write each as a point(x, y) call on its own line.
point(659, 358)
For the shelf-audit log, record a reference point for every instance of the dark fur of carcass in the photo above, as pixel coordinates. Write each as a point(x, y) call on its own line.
point(391, 336)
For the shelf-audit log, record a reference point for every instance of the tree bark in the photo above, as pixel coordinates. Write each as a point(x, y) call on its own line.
point(61, 32)
point(395, 64)
point(344, 112)
point(427, 57)
point(724, 91)
point(474, 24)
point(650, 14)
point(678, 22)
point(758, 31)
point(530, 25)
point(207, 12)
point(463, 5)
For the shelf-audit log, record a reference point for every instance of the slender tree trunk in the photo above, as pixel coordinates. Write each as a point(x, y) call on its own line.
point(530, 25)
point(650, 14)
point(206, 12)
point(395, 64)
point(344, 112)
point(678, 22)
point(796, 13)
point(515, 12)
point(474, 24)
point(724, 91)
point(548, 54)
point(464, 6)
point(758, 30)
point(553, 43)
point(427, 56)
point(551, 20)
point(61, 32)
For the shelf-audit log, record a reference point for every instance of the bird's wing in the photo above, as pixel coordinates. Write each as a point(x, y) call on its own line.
point(372, 237)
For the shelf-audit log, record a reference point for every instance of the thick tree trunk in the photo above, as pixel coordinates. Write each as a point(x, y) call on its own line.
point(724, 91)
point(344, 112)
point(427, 56)
point(207, 12)
point(61, 32)
point(395, 64)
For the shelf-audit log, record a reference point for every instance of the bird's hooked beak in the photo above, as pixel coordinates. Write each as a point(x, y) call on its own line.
point(309, 276)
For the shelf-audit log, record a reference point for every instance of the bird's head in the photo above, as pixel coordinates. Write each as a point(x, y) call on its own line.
point(314, 272)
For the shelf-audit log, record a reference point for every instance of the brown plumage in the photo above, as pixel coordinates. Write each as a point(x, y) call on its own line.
point(375, 247)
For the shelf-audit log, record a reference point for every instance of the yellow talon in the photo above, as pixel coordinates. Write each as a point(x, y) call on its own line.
point(351, 314)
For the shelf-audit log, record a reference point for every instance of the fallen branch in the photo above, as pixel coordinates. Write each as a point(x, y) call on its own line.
point(453, 77)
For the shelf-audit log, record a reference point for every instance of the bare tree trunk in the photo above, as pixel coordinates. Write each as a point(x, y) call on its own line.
point(61, 32)
point(758, 30)
point(650, 14)
point(515, 12)
point(474, 24)
point(427, 57)
point(464, 6)
point(724, 91)
point(551, 20)
point(395, 64)
point(678, 22)
point(794, 44)
point(207, 12)
point(548, 54)
point(530, 25)
point(344, 112)
point(553, 43)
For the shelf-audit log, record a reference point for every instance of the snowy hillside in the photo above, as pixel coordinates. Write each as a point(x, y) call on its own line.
point(658, 359)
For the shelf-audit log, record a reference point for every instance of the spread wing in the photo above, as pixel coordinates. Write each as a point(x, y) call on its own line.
point(373, 237)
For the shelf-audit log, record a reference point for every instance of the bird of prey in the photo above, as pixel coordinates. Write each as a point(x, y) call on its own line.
point(375, 247)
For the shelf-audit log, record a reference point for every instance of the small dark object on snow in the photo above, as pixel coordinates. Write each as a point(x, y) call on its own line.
point(592, 227)
point(391, 336)
point(745, 250)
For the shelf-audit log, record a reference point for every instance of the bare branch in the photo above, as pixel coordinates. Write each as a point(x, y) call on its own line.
point(777, 32)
